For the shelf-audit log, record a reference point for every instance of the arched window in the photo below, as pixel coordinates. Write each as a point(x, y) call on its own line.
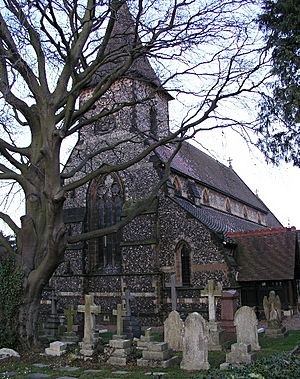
point(245, 212)
point(177, 186)
point(258, 218)
point(205, 196)
point(183, 264)
point(228, 205)
point(104, 209)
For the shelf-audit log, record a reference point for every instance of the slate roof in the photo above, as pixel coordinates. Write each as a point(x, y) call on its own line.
point(118, 49)
point(215, 220)
point(266, 254)
point(194, 163)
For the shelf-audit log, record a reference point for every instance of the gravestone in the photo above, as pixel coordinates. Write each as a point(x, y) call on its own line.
point(195, 344)
point(212, 291)
point(157, 354)
point(131, 326)
point(70, 336)
point(122, 349)
point(272, 309)
point(90, 309)
point(57, 348)
point(120, 313)
point(145, 340)
point(229, 305)
point(245, 321)
point(216, 334)
point(52, 322)
point(173, 331)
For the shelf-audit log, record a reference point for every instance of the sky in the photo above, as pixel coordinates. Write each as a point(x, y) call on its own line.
point(278, 187)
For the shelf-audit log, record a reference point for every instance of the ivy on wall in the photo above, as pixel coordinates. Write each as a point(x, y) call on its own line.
point(11, 288)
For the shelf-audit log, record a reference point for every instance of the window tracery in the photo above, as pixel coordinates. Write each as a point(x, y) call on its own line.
point(105, 207)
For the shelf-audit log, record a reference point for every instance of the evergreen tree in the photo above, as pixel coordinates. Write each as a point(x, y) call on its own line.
point(280, 109)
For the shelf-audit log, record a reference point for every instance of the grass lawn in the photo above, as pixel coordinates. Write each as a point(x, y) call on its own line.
point(58, 367)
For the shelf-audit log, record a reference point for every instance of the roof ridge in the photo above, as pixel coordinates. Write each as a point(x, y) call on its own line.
point(260, 232)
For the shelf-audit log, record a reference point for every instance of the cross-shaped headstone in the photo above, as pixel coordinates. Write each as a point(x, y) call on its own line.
point(212, 290)
point(53, 304)
point(70, 312)
point(90, 309)
point(120, 313)
point(173, 292)
point(128, 298)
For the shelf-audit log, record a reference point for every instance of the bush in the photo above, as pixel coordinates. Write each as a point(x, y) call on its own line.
point(11, 288)
point(278, 366)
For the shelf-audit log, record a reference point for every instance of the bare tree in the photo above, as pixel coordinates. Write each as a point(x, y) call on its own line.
point(52, 50)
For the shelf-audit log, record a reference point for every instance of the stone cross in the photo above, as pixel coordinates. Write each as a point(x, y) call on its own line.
point(90, 309)
point(212, 290)
point(53, 304)
point(120, 313)
point(173, 293)
point(70, 312)
point(128, 298)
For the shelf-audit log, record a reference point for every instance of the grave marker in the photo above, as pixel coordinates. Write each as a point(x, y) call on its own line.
point(90, 309)
point(120, 313)
point(212, 290)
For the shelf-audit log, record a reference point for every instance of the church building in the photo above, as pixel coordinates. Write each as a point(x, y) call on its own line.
point(204, 222)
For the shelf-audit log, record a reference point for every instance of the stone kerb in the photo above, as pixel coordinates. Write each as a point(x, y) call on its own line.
point(195, 344)
point(173, 331)
point(245, 321)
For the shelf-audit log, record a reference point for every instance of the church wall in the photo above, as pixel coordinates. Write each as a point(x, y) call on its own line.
point(175, 225)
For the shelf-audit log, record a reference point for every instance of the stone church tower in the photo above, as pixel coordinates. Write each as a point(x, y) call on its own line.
point(182, 232)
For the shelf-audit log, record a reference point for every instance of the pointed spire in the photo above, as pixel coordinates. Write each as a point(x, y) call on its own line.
point(119, 46)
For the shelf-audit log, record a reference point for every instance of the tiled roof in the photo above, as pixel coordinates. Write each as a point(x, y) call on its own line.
point(215, 220)
point(119, 48)
point(266, 254)
point(192, 162)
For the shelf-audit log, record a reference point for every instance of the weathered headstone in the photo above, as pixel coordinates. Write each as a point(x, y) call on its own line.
point(57, 348)
point(120, 313)
point(145, 340)
point(216, 334)
point(157, 354)
point(69, 336)
point(173, 331)
point(240, 354)
point(212, 290)
point(245, 321)
point(52, 322)
point(229, 305)
point(195, 344)
point(272, 309)
point(131, 325)
point(90, 309)
point(128, 299)
point(122, 349)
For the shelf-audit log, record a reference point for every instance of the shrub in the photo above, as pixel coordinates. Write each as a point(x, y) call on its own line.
point(277, 366)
